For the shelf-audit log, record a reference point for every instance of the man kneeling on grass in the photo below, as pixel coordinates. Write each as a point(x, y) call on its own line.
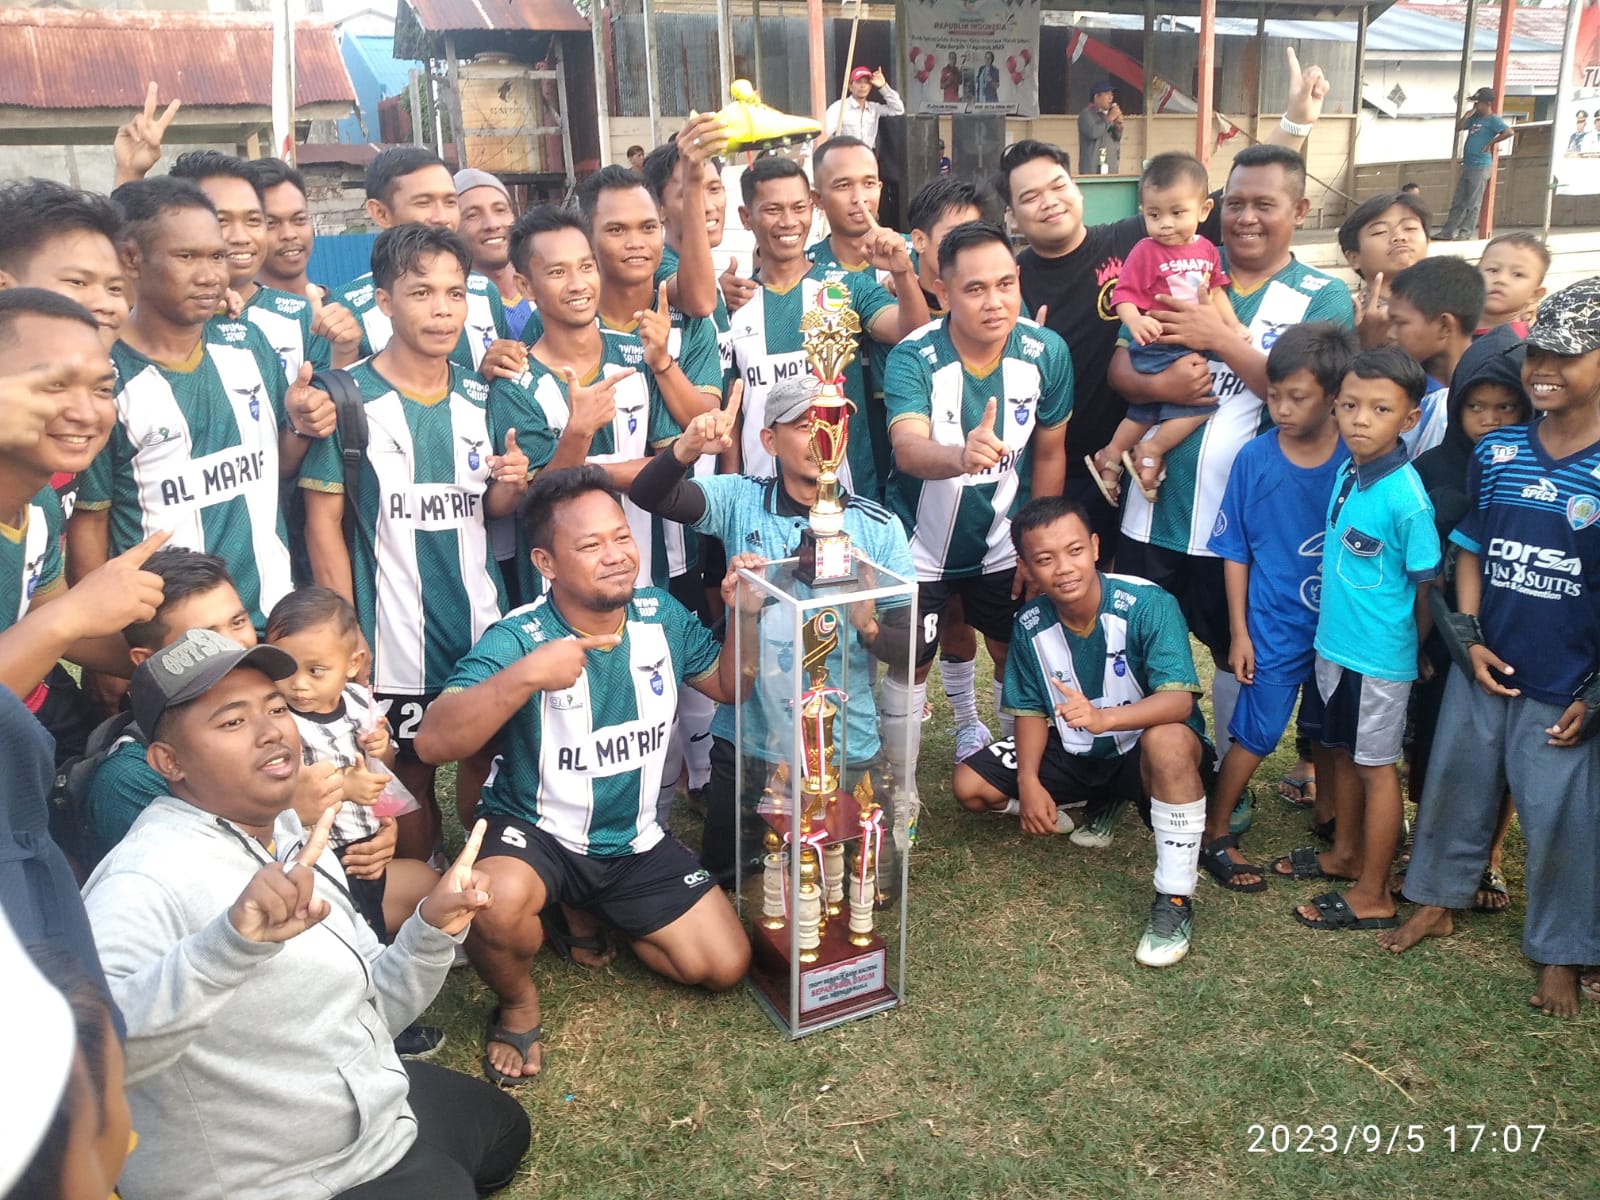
point(1102, 685)
point(581, 687)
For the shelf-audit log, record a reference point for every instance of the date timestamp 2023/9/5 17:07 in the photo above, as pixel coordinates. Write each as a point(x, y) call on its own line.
point(1393, 1138)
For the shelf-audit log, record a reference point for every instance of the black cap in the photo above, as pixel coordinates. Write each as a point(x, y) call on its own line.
point(191, 667)
point(1484, 94)
point(1569, 321)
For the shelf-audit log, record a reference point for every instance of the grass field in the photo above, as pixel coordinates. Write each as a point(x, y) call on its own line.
point(1033, 1058)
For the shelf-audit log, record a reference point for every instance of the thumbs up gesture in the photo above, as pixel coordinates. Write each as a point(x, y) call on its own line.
point(736, 290)
point(510, 468)
point(338, 326)
point(655, 330)
point(311, 410)
point(984, 449)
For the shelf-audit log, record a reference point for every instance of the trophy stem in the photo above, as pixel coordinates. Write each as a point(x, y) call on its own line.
point(833, 857)
point(773, 910)
point(808, 916)
point(863, 899)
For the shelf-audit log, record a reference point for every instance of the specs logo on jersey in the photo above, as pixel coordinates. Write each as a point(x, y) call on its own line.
point(1543, 490)
point(253, 396)
point(633, 419)
point(657, 684)
point(474, 459)
point(1582, 512)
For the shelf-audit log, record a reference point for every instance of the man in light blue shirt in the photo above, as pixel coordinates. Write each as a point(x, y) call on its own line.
point(1484, 130)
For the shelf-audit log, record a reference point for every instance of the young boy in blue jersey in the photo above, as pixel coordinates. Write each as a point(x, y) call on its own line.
point(580, 688)
point(1434, 307)
point(1380, 545)
point(1269, 534)
point(768, 515)
point(1103, 689)
point(1526, 579)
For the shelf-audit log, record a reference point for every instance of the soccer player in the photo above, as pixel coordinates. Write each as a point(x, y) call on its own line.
point(581, 682)
point(407, 184)
point(767, 342)
point(420, 572)
point(486, 220)
point(64, 240)
point(206, 424)
point(938, 207)
point(685, 177)
point(1104, 691)
point(290, 232)
point(978, 403)
point(299, 330)
point(743, 512)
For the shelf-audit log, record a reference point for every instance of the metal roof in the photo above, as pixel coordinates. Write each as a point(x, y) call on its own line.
point(52, 58)
point(1398, 31)
point(1189, 10)
point(1538, 23)
point(393, 75)
point(528, 16)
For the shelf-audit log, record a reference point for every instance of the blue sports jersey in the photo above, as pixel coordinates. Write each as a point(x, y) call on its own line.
point(1271, 520)
point(1534, 524)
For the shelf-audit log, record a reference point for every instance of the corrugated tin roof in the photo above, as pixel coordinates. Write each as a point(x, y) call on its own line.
point(1538, 23)
point(1400, 30)
point(63, 58)
point(531, 16)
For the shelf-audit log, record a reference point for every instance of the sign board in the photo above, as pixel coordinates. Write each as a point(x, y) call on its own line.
point(1574, 144)
point(972, 56)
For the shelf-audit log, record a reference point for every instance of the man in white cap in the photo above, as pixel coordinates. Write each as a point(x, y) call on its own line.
point(486, 220)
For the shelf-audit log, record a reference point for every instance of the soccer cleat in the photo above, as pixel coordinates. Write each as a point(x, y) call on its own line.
point(970, 739)
point(419, 1041)
point(752, 125)
point(1097, 833)
point(1243, 814)
point(1166, 937)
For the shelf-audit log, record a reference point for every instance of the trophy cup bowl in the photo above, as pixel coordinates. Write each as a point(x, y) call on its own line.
point(832, 332)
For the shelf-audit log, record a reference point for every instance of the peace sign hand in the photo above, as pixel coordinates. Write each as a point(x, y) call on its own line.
point(137, 145)
point(1079, 712)
point(461, 891)
point(711, 432)
point(1372, 321)
point(280, 901)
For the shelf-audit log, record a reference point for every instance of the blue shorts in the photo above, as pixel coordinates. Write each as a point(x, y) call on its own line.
point(1262, 714)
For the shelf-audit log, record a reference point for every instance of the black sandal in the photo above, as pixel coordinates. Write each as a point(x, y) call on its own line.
point(558, 936)
point(1303, 863)
point(493, 1031)
point(1214, 858)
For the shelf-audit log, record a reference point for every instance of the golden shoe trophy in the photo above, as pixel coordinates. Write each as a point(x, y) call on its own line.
point(832, 331)
point(752, 125)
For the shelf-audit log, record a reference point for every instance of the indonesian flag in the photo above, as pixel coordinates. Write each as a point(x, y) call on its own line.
point(1164, 98)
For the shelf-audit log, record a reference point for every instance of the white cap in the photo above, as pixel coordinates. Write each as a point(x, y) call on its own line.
point(38, 1060)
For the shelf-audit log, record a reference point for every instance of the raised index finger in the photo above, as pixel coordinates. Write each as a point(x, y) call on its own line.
point(1294, 63)
point(469, 852)
point(735, 398)
point(1065, 690)
point(151, 93)
point(140, 554)
point(317, 842)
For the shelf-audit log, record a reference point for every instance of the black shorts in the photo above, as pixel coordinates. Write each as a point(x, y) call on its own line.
point(638, 893)
point(986, 605)
point(1070, 779)
point(404, 714)
point(1194, 580)
point(367, 896)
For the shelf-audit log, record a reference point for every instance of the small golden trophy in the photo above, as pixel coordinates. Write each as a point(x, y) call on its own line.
point(832, 331)
point(820, 781)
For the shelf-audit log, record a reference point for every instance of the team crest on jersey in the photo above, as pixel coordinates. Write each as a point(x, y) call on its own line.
point(1220, 526)
point(785, 652)
point(485, 334)
point(34, 572)
point(253, 396)
point(283, 353)
point(658, 685)
point(1119, 663)
point(474, 459)
point(1032, 347)
point(1543, 490)
point(1021, 414)
point(1505, 454)
point(1582, 512)
point(633, 417)
point(1271, 331)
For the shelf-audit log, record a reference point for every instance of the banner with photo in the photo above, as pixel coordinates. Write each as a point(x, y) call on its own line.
point(972, 56)
point(1575, 143)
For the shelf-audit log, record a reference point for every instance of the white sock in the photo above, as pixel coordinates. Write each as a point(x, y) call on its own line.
point(695, 710)
point(960, 686)
point(1008, 727)
point(1224, 699)
point(899, 713)
point(1178, 829)
point(1013, 808)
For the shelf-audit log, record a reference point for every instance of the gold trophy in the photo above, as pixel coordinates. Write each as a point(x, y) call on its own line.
point(832, 331)
point(819, 781)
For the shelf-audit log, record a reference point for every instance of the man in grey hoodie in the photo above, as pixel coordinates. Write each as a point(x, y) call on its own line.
point(260, 1008)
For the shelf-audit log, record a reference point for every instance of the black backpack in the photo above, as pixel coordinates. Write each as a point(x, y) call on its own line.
point(71, 824)
point(352, 409)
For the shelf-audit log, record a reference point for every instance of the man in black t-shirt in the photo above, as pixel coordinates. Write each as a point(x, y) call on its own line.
point(1069, 270)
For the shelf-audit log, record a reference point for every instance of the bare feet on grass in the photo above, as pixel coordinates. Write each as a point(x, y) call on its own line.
point(1558, 991)
point(1428, 921)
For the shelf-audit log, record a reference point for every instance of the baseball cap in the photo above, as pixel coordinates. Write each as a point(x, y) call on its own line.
point(791, 399)
point(860, 73)
point(191, 667)
point(1105, 85)
point(470, 177)
point(1483, 93)
point(1569, 321)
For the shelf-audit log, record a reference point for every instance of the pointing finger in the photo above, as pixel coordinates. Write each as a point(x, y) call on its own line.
point(661, 299)
point(317, 842)
point(990, 410)
point(599, 641)
point(1065, 690)
point(141, 553)
point(735, 398)
point(469, 853)
point(1044, 314)
point(1294, 63)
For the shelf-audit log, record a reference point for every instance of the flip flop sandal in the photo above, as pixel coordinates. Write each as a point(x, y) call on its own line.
point(1339, 917)
point(1323, 829)
point(1493, 881)
point(1589, 986)
point(1303, 864)
point(1133, 472)
point(1297, 794)
point(1214, 858)
point(559, 937)
point(1100, 481)
point(493, 1031)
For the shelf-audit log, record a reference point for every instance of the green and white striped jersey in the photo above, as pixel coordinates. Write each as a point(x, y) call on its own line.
point(195, 450)
point(535, 405)
point(1185, 509)
point(486, 318)
point(961, 527)
point(585, 763)
point(30, 556)
point(721, 322)
point(425, 579)
point(768, 347)
point(285, 319)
